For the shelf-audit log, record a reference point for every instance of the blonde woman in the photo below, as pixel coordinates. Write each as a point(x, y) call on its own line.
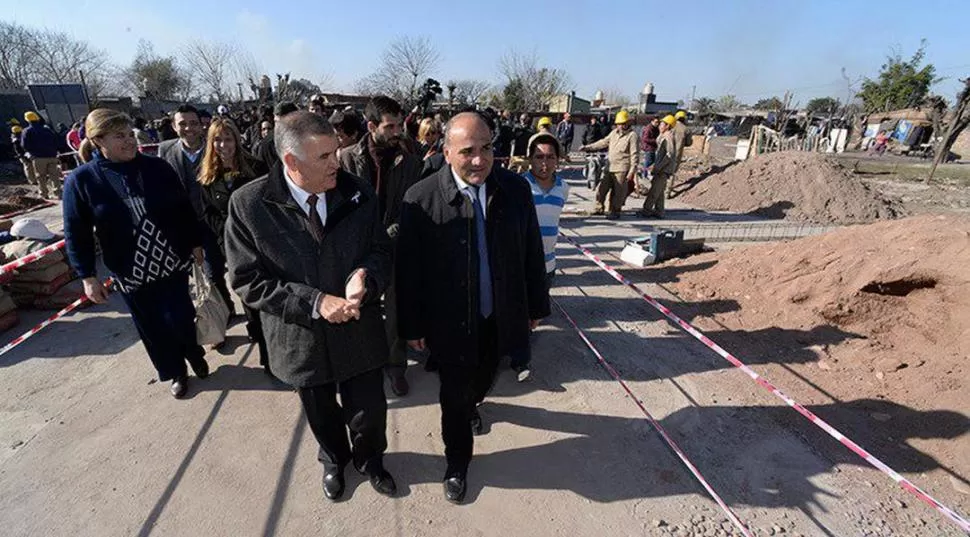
point(429, 134)
point(225, 168)
point(136, 208)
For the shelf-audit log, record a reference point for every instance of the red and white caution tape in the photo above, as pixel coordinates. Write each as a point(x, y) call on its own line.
point(26, 335)
point(657, 427)
point(822, 424)
point(44, 205)
point(30, 258)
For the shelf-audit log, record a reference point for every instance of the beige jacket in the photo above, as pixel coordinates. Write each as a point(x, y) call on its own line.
point(679, 135)
point(666, 160)
point(624, 150)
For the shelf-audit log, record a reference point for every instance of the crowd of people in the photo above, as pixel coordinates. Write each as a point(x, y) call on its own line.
point(352, 241)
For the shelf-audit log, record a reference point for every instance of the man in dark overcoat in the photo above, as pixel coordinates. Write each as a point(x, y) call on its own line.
point(308, 250)
point(471, 279)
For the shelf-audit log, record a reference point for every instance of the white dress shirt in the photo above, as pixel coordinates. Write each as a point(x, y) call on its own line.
point(302, 198)
point(465, 190)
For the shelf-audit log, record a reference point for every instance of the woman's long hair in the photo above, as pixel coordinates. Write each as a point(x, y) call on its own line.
point(99, 123)
point(212, 165)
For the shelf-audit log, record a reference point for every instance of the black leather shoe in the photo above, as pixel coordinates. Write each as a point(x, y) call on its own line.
point(478, 426)
point(455, 489)
point(200, 367)
point(399, 384)
point(382, 482)
point(179, 386)
point(333, 484)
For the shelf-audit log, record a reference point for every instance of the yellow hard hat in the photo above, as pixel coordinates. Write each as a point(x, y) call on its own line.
point(622, 117)
point(31, 116)
point(680, 115)
point(669, 120)
point(545, 122)
point(16, 129)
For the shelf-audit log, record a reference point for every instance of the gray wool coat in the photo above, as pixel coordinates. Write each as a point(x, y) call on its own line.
point(277, 268)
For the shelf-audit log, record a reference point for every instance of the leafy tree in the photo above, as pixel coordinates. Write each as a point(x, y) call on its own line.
point(514, 96)
point(154, 76)
point(773, 103)
point(823, 106)
point(704, 105)
point(727, 103)
point(901, 83)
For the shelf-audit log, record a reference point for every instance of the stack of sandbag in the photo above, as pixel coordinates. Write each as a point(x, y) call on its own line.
point(8, 312)
point(45, 283)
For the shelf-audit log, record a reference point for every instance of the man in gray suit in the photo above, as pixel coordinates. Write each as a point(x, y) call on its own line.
point(185, 155)
point(308, 250)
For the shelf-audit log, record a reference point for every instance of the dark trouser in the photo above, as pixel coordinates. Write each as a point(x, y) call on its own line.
point(398, 358)
point(614, 186)
point(254, 327)
point(362, 410)
point(165, 319)
point(215, 266)
point(462, 388)
point(522, 357)
point(655, 197)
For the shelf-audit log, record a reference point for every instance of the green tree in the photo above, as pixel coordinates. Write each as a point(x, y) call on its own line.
point(727, 103)
point(773, 103)
point(514, 96)
point(704, 105)
point(155, 76)
point(823, 106)
point(901, 83)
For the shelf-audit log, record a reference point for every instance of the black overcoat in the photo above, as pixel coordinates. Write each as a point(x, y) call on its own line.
point(277, 268)
point(437, 267)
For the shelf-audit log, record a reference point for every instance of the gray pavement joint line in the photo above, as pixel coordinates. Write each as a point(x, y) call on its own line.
point(286, 475)
point(854, 447)
point(656, 425)
point(156, 512)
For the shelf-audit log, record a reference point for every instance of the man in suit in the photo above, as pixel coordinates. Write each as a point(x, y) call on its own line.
point(380, 159)
point(185, 155)
point(471, 279)
point(307, 249)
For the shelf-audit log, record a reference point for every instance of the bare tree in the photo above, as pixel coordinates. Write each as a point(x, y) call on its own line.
point(616, 96)
point(539, 84)
point(959, 121)
point(212, 65)
point(152, 75)
point(469, 91)
point(404, 66)
point(32, 56)
point(16, 59)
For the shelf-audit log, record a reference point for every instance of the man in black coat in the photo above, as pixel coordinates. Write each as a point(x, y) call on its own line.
point(307, 249)
point(184, 155)
point(471, 279)
point(380, 159)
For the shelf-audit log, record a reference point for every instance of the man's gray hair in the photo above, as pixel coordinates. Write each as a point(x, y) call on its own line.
point(293, 128)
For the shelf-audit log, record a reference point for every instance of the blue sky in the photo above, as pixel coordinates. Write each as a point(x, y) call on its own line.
point(752, 49)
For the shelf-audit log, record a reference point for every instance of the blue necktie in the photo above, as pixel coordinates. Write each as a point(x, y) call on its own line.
point(484, 271)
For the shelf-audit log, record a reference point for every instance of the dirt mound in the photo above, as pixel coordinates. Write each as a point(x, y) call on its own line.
point(792, 185)
point(885, 304)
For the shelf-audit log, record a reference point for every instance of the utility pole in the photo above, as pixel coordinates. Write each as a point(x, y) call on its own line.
point(693, 94)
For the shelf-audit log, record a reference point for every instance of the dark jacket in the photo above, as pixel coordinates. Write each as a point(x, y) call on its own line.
point(564, 132)
point(215, 204)
point(40, 141)
point(648, 142)
point(405, 171)
point(520, 139)
point(277, 267)
point(266, 152)
point(188, 171)
point(437, 267)
point(594, 133)
point(432, 164)
point(93, 208)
